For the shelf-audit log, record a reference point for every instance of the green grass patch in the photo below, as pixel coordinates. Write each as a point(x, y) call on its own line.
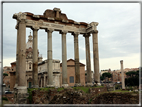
point(30, 94)
point(98, 86)
point(123, 91)
point(60, 89)
point(85, 89)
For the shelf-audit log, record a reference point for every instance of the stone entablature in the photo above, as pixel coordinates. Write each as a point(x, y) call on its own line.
point(49, 20)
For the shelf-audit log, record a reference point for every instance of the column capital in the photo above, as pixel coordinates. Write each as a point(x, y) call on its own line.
point(49, 30)
point(63, 32)
point(35, 28)
point(20, 16)
point(94, 31)
point(121, 61)
point(86, 35)
point(75, 33)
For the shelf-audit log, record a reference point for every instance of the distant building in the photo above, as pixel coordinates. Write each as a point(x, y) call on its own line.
point(116, 74)
point(6, 80)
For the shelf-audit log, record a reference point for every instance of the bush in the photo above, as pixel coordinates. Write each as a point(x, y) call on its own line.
point(4, 98)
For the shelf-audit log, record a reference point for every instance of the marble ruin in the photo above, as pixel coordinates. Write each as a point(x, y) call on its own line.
point(122, 71)
point(54, 20)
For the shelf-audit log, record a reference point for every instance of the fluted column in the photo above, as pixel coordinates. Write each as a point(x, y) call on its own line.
point(96, 56)
point(122, 74)
point(49, 55)
point(76, 57)
point(64, 59)
point(21, 44)
point(88, 62)
point(35, 58)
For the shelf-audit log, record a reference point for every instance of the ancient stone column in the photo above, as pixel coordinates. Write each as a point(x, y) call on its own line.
point(35, 58)
point(96, 56)
point(64, 59)
point(17, 52)
point(76, 57)
point(41, 82)
point(22, 88)
point(44, 80)
point(122, 74)
point(88, 62)
point(49, 55)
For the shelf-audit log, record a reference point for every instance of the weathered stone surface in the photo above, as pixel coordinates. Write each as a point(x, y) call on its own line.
point(116, 98)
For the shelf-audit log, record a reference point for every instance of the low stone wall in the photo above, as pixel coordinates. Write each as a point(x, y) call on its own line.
point(95, 91)
point(66, 96)
point(116, 98)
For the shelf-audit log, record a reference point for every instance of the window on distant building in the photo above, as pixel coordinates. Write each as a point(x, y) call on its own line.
point(30, 65)
point(71, 79)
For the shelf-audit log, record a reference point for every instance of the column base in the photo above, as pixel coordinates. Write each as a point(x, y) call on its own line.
point(89, 84)
point(50, 86)
point(35, 86)
point(77, 84)
point(16, 85)
point(21, 98)
point(65, 85)
point(22, 89)
point(99, 84)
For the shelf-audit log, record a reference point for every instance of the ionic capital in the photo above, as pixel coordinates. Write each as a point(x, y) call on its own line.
point(35, 28)
point(75, 33)
point(94, 31)
point(94, 23)
point(86, 35)
point(63, 32)
point(20, 16)
point(121, 61)
point(50, 30)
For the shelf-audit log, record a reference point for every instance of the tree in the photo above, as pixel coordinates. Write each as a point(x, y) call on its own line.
point(133, 79)
point(106, 74)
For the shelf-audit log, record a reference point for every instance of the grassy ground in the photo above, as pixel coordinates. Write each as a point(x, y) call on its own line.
point(6, 102)
point(123, 91)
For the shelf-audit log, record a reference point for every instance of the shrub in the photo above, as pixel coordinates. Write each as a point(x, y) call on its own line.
point(4, 98)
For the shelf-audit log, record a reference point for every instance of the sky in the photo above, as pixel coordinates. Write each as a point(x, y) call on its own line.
point(118, 37)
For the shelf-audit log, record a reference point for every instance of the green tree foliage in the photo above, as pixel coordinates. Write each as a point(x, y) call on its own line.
point(106, 74)
point(102, 78)
point(133, 79)
point(5, 74)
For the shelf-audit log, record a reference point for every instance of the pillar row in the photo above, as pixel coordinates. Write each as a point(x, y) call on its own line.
point(49, 56)
point(88, 62)
point(64, 59)
point(35, 59)
point(96, 56)
point(21, 57)
point(76, 58)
